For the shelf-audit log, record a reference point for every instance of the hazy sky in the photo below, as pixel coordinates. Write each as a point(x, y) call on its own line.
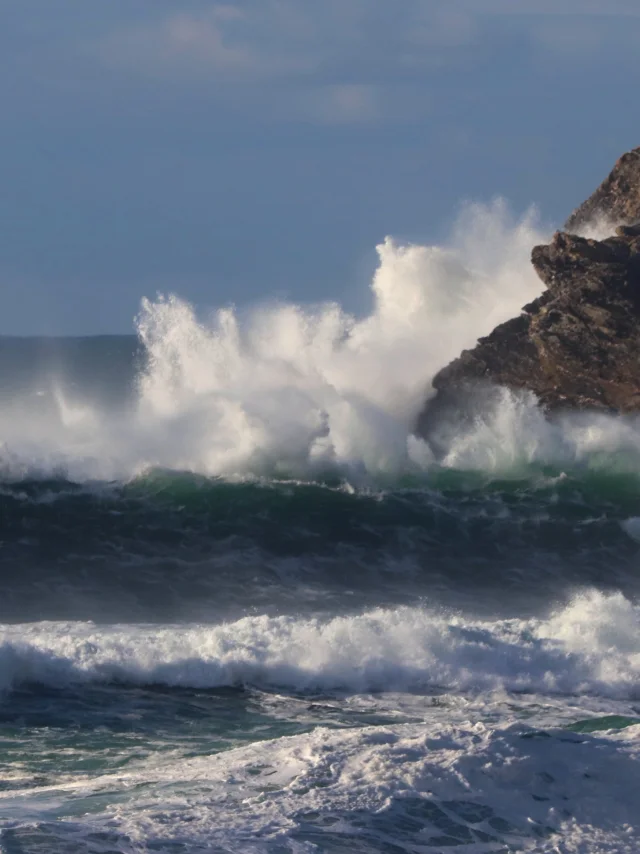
point(238, 150)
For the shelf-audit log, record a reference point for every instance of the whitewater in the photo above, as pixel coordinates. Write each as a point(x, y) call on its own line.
point(246, 609)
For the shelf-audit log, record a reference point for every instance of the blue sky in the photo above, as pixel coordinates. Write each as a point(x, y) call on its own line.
point(235, 151)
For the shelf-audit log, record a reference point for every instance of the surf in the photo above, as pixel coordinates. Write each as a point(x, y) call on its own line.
point(589, 646)
point(291, 389)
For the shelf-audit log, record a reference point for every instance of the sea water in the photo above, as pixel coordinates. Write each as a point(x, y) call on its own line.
point(245, 609)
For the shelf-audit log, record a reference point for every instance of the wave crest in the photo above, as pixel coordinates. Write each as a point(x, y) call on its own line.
point(591, 645)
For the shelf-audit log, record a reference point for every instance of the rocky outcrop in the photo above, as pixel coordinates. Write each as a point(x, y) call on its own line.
point(617, 199)
point(578, 345)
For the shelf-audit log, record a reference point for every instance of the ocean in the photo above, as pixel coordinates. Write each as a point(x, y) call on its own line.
point(245, 609)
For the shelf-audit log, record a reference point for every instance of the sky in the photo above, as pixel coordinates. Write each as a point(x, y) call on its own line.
point(242, 151)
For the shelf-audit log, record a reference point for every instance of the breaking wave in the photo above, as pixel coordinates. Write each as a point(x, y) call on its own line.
point(592, 645)
point(287, 389)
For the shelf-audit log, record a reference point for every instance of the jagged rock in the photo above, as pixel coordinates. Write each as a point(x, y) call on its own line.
point(578, 345)
point(617, 199)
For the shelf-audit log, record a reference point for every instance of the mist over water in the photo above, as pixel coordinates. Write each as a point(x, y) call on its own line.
point(286, 389)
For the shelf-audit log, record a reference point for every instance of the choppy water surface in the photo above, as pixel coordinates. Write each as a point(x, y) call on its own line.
point(245, 609)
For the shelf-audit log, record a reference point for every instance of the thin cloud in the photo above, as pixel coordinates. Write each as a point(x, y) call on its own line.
point(347, 103)
point(182, 42)
point(347, 61)
point(279, 38)
point(574, 8)
point(255, 40)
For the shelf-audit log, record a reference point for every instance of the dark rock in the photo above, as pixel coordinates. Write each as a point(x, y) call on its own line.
point(578, 345)
point(617, 199)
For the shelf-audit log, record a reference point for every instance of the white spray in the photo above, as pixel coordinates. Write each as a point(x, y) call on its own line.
point(290, 389)
point(286, 390)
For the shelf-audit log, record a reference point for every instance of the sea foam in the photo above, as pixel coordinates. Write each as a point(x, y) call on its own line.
point(591, 645)
point(470, 787)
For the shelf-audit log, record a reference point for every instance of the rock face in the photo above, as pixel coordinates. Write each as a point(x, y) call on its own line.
point(617, 199)
point(578, 345)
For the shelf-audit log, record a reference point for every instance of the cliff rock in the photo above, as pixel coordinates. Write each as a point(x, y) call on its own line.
point(578, 345)
point(617, 199)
